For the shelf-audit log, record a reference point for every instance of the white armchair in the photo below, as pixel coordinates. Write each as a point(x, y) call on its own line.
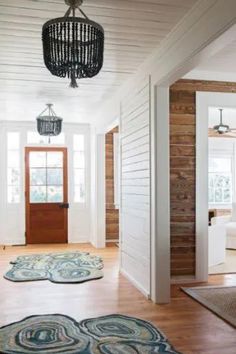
point(230, 226)
point(221, 220)
point(216, 243)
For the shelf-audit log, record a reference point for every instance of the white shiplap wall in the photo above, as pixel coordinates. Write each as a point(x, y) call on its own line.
point(135, 186)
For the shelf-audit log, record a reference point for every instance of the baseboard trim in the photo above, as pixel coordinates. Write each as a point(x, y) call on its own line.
point(78, 241)
point(184, 280)
point(13, 243)
point(135, 283)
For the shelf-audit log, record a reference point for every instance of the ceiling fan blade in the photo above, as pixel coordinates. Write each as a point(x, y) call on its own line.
point(214, 134)
point(231, 134)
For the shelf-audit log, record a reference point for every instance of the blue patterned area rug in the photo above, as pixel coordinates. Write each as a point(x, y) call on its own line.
point(114, 334)
point(69, 267)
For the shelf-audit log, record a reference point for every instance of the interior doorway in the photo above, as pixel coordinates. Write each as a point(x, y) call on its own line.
point(221, 190)
point(46, 195)
point(112, 185)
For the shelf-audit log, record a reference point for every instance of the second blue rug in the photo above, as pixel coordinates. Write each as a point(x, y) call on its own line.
point(69, 267)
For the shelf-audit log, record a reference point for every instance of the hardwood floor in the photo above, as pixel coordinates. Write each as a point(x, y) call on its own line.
point(189, 326)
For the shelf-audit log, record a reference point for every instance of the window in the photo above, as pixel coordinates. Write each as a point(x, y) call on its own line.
point(46, 177)
point(220, 183)
point(13, 167)
point(35, 138)
point(79, 168)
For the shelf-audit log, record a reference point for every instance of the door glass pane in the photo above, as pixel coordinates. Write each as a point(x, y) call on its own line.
point(46, 177)
point(13, 176)
point(37, 159)
point(55, 194)
point(55, 159)
point(54, 176)
point(38, 194)
point(79, 159)
point(37, 176)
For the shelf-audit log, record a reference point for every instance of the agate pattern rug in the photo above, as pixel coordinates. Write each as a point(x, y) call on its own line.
point(69, 267)
point(113, 334)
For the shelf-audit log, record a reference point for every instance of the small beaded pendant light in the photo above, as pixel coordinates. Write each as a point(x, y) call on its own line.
point(49, 124)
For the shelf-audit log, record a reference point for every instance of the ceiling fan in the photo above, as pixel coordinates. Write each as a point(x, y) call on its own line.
point(224, 129)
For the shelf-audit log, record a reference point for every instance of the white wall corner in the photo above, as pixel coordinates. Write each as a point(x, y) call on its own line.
point(160, 218)
point(98, 197)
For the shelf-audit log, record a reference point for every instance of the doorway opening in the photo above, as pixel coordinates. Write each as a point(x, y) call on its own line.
point(112, 185)
point(46, 195)
point(221, 191)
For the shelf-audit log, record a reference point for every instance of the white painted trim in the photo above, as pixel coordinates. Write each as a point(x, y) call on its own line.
point(133, 281)
point(160, 195)
point(115, 123)
point(184, 280)
point(98, 238)
point(204, 100)
point(211, 75)
point(13, 242)
point(116, 167)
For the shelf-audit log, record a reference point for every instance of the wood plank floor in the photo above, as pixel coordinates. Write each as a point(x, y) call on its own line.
point(190, 327)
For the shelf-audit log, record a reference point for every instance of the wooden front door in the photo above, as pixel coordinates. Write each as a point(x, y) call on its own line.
point(46, 195)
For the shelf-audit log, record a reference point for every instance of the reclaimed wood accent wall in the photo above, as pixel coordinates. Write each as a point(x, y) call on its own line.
point(183, 169)
point(112, 214)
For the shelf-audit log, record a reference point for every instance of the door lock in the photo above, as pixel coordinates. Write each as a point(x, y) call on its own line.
point(64, 205)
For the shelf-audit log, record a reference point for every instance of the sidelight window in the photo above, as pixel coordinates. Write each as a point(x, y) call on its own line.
point(79, 168)
point(13, 167)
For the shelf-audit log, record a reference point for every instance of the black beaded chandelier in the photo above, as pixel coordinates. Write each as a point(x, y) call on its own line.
point(49, 124)
point(73, 46)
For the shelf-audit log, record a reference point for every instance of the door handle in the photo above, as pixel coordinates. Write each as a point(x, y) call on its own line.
point(64, 205)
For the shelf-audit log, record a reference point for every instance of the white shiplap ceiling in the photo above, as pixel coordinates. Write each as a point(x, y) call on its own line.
point(133, 29)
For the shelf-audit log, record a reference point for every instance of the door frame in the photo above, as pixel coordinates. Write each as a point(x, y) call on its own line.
point(27, 150)
point(204, 100)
